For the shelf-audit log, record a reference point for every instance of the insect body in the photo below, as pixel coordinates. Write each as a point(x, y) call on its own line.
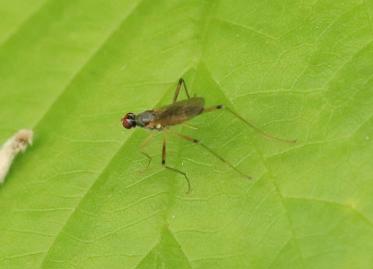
point(176, 113)
point(163, 117)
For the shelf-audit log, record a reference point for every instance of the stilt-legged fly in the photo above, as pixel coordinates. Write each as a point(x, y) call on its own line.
point(161, 119)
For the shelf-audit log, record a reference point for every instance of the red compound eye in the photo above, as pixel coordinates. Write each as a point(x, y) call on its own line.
point(128, 121)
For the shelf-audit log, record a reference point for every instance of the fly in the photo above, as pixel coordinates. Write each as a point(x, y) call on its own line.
point(161, 119)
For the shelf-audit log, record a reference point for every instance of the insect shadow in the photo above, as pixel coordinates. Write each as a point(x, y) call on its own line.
point(161, 119)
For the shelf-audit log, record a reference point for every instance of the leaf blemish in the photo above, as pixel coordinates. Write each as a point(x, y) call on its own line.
point(10, 149)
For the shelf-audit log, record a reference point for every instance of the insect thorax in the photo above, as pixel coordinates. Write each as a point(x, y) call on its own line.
point(144, 118)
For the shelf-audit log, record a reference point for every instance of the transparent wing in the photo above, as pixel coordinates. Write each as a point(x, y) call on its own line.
point(180, 111)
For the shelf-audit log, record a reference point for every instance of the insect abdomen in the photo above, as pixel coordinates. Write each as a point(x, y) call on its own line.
point(181, 111)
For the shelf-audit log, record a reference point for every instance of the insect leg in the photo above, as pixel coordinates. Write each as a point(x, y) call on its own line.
point(190, 126)
point(178, 87)
point(196, 141)
point(171, 168)
point(145, 143)
point(217, 107)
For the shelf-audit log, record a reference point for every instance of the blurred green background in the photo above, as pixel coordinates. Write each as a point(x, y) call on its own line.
point(80, 196)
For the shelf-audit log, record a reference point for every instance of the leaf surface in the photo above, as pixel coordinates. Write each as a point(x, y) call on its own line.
point(81, 197)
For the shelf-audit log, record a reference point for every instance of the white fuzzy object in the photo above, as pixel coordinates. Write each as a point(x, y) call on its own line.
point(9, 150)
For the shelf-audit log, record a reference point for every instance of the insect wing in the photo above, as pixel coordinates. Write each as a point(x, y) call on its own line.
point(180, 111)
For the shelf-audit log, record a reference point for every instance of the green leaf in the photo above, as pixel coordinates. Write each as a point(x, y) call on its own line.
point(82, 197)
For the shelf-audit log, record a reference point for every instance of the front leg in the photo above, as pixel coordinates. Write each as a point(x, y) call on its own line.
point(143, 145)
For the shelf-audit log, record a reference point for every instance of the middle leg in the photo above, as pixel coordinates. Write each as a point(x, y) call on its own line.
point(172, 168)
point(178, 87)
